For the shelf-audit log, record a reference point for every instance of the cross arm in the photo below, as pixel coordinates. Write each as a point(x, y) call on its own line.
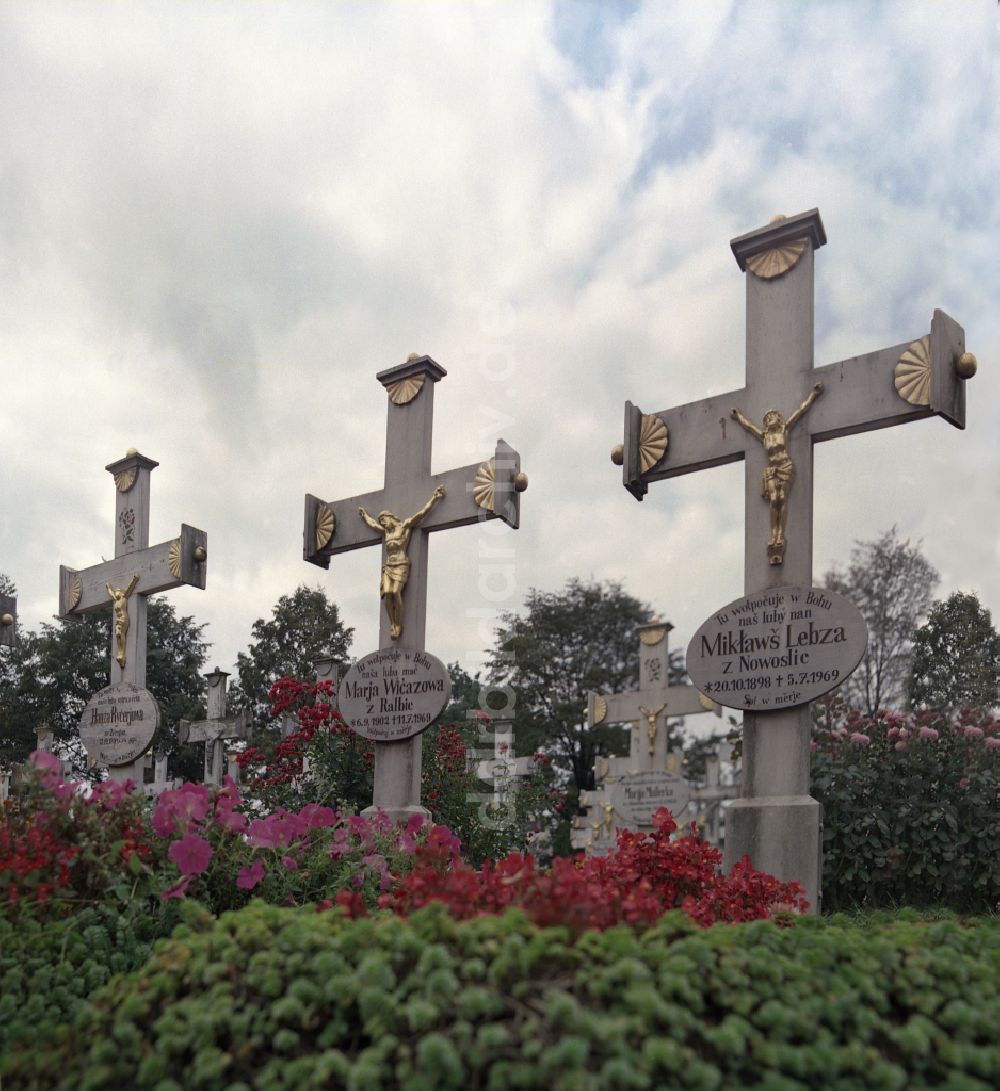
point(481, 490)
point(160, 568)
point(233, 727)
point(620, 708)
point(908, 381)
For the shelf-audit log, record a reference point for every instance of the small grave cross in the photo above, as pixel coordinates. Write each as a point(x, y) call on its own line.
point(217, 729)
point(8, 620)
point(137, 571)
point(500, 768)
point(796, 405)
point(412, 504)
point(648, 707)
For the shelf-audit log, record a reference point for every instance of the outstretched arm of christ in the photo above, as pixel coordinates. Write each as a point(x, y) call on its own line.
point(747, 424)
point(804, 407)
point(369, 520)
point(418, 515)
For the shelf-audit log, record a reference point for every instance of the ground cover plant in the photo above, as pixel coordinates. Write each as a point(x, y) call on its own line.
point(910, 806)
point(272, 998)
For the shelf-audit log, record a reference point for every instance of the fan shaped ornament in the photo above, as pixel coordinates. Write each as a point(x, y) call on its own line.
point(174, 558)
point(912, 377)
point(653, 439)
point(326, 523)
point(652, 637)
point(484, 484)
point(600, 709)
point(125, 479)
point(73, 592)
point(405, 390)
point(772, 263)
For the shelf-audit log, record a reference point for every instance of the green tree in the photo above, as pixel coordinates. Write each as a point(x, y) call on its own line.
point(545, 661)
point(956, 657)
point(53, 673)
point(891, 583)
point(304, 627)
point(7, 585)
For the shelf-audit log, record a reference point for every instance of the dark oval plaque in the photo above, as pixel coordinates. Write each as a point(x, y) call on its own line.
point(777, 649)
point(119, 724)
point(394, 693)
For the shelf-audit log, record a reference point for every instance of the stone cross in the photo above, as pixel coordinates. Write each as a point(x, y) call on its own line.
point(648, 707)
point(161, 782)
point(499, 767)
point(777, 822)
point(712, 794)
point(137, 571)
point(470, 494)
point(217, 729)
point(8, 620)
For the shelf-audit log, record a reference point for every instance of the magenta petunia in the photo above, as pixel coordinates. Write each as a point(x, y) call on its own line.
point(178, 890)
point(46, 762)
point(316, 816)
point(290, 863)
point(249, 876)
point(191, 854)
point(234, 821)
point(414, 823)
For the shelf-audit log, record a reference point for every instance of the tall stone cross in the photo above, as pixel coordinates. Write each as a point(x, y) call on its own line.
point(648, 707)
point(216, 729)
point(772, 422)
point(8, 620)
point(399, 518)
point(125, 583)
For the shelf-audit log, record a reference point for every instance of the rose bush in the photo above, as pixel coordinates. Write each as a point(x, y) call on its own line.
point(910, 807)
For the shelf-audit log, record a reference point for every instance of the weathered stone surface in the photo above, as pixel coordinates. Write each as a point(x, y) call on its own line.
point(394, 693)
point(119, 724)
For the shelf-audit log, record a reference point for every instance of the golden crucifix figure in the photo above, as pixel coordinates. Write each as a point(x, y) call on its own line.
point(396, 566)
point(609, 816)
point(651, 715)
point(120, 597)
point(779, 474)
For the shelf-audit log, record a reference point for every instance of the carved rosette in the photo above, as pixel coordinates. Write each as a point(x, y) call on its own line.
point(405, 390)
point(600, 709)
point(125, 479)
point(652, 637)
point(174, 558)
point(773, 263)
point(325, 526)
point(653, 439)
point(484, 484)
point(912, 376)
point(74, 591)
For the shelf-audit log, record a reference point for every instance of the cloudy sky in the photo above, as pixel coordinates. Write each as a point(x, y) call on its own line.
point(218, 222)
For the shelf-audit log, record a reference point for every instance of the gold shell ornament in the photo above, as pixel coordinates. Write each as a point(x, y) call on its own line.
point(326, 523)
point(600, 709)
point(484, 483)
point(73, 592)
point(653, 441)
point(772, 263)
point(405, 390)
point(652, 637)
point(174, 558)
point(912, 377)
point(125, 479)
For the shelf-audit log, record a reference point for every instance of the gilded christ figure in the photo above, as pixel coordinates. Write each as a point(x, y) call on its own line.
point(651, 714)
point(396, 565)
point(120, 597)
point(779, 474)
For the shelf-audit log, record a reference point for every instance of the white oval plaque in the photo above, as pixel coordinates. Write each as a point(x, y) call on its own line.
point(119, 724)
point(637, 796)
point(777, 649)
point(394, 693)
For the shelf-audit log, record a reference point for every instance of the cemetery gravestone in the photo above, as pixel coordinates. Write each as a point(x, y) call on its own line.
point(412, 504)
point(776, 821)
point(137, 571)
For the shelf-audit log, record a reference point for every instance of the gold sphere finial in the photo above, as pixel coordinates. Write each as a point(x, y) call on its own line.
point(413, 356)
point(777, 219)
point(6, 619)
point(130, 452)
point(618, 454)
point(520, 482)
point(200, 554)
point(966, 365)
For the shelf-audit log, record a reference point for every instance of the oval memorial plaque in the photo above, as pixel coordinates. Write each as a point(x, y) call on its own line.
point(119, 724)
point(637, 796)
point(777, 649)
point(394, 693)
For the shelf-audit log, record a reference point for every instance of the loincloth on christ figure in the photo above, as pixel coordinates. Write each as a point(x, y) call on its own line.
point(778, 476)
point(395, 572)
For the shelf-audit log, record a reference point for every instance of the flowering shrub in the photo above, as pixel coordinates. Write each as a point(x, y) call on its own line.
point(910, 808)
point(645, 877)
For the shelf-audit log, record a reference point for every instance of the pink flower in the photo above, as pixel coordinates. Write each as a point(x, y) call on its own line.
point(973, 732)
point(903, 733)
point(234, 821)
point(109, 793)
point(929, 734)
point(964, 782)
point(314, 816)
point(414, 824)
point(291, 864)
point(178, 808)
point(993, 744)
point(276, 831)
point(228, 796)
point(191, 854)
point(900, 745)
point(893, 732)
point(45, 762)
point(248, 877)
point(860, 740)
point(179, 889)
point(357, 825)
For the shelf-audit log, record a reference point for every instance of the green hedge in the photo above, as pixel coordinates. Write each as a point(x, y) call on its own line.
point(287, 998)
